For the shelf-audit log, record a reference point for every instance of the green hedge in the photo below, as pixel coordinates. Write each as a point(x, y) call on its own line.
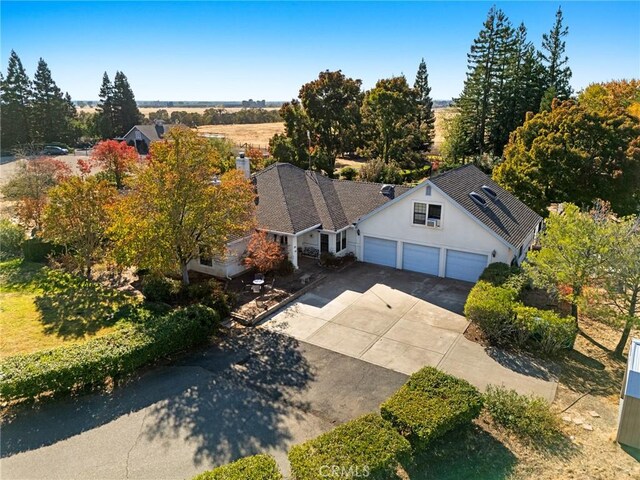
point(11, 239)
point(498, 273)
point(89, 364)
point(431, 404)
point(544, 330)
point(527, 416)
point(257, 467)
point(367, 447)
point(491, 308)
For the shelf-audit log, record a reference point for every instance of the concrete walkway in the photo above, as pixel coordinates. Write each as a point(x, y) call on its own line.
point(403, 321)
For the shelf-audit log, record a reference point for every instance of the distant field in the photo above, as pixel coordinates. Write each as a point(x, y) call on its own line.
point(146, 110)
point(254, 134)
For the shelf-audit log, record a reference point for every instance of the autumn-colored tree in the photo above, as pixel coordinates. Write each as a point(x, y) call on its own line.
point(29, 186)
point(263, 254)
point(619, 96)
point(181, 206)
point(257, 159)
point(76, 216)
point(116, 158)
point(574, 154)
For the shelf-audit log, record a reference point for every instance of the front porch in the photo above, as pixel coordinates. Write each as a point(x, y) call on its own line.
point(311, 243)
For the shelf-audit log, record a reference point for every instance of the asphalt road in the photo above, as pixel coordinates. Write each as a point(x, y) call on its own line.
point(258, 392)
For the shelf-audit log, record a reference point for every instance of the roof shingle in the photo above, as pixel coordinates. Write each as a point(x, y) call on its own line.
point(506, 215)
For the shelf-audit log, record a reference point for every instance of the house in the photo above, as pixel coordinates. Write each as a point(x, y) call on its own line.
point(142, 136)
point(451, 225)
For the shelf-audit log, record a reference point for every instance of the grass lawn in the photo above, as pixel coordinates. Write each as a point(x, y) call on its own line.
point(42, 308)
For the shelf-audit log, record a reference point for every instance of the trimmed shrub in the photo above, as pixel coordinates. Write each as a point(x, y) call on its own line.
point(11, 238)
point(114, 355)
point(431, 404)
point(545, 330)
point(348, 173)
point(365, 447)
point(256, 467)
point(491, 308)
point(210, 293)
point(157, 288)
point(286, 268)
point(35, 250)
point(526, 416)
point(498, 273)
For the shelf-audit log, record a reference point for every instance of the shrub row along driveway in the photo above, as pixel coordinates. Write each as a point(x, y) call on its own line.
point(404, 321)
point(258, 392)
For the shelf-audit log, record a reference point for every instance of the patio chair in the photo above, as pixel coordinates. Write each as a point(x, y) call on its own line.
point(256, 288)
point(269, 286)
point(246, 287)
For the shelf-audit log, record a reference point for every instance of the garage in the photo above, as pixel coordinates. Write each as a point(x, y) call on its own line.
point(380, 251)
point(419, 258)
point(464, 265)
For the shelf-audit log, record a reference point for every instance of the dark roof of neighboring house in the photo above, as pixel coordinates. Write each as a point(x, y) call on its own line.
point(507, 216)
point(153, 132)
point(291, 199)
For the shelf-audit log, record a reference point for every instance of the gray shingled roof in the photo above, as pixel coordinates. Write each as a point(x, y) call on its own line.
point(291, 199)
point(154, 132)
point(507, 216)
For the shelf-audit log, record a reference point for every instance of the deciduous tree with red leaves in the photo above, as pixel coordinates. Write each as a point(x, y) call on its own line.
point(263, 254)
point(29, 187)
point(116, 158)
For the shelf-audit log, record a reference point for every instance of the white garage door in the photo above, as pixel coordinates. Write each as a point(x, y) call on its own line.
point(464, 265)
point(380, 251)
point(419, 258)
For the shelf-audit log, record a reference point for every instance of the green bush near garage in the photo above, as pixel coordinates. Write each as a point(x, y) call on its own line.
point(114, 355)
point(431, 404)
point(367, 447)
point(544, 330)
point(256, 467)
point(491, 308)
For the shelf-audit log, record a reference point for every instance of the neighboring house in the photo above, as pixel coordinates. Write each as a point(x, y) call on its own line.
point(142, 136)
point(452, 225)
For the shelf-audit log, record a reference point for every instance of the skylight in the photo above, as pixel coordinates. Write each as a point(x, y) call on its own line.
point(478, 199)
point(491, 193)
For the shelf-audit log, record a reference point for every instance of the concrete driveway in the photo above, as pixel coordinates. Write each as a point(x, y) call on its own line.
point(402, 321)
point(258, 392)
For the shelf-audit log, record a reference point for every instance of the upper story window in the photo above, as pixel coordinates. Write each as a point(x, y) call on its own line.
point(428, 214)
point(427, 190)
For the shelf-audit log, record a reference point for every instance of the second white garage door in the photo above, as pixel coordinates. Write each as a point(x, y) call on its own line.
point(380, 251)
point(419, 258)
point(464, 265)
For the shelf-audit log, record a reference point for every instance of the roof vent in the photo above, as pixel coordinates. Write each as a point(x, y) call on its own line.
point(388, 190)
point(491, 193)
point(478, 199)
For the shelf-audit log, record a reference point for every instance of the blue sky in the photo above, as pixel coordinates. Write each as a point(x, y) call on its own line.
point(266, 50)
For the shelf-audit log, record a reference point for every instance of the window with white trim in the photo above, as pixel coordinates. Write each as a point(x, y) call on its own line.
point(341, 241)
point(427, 214)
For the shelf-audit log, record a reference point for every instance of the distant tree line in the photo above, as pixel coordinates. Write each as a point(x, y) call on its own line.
point(506, 78)
point(332, 116)
point(216, 116)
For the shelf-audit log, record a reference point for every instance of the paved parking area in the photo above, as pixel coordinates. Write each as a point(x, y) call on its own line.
point(402, 321)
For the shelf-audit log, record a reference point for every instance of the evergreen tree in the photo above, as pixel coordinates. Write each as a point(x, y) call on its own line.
point(488, 71)
point(425, 117)
point(558, 73)
point(125, 108)
point(105, 120)
point(52, 113)
point(15, 101)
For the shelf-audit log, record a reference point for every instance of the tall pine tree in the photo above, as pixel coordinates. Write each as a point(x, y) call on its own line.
point(425, 117)
point(15, 104)
point(52, 113)
point(557, 71)
point(487, 65)
point(125, 109)
point(106, 119)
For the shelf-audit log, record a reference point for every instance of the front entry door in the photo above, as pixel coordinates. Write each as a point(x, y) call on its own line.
point(324, 243)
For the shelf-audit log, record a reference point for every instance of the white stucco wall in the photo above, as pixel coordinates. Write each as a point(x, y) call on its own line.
point(230, 265)
point(457, 231)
